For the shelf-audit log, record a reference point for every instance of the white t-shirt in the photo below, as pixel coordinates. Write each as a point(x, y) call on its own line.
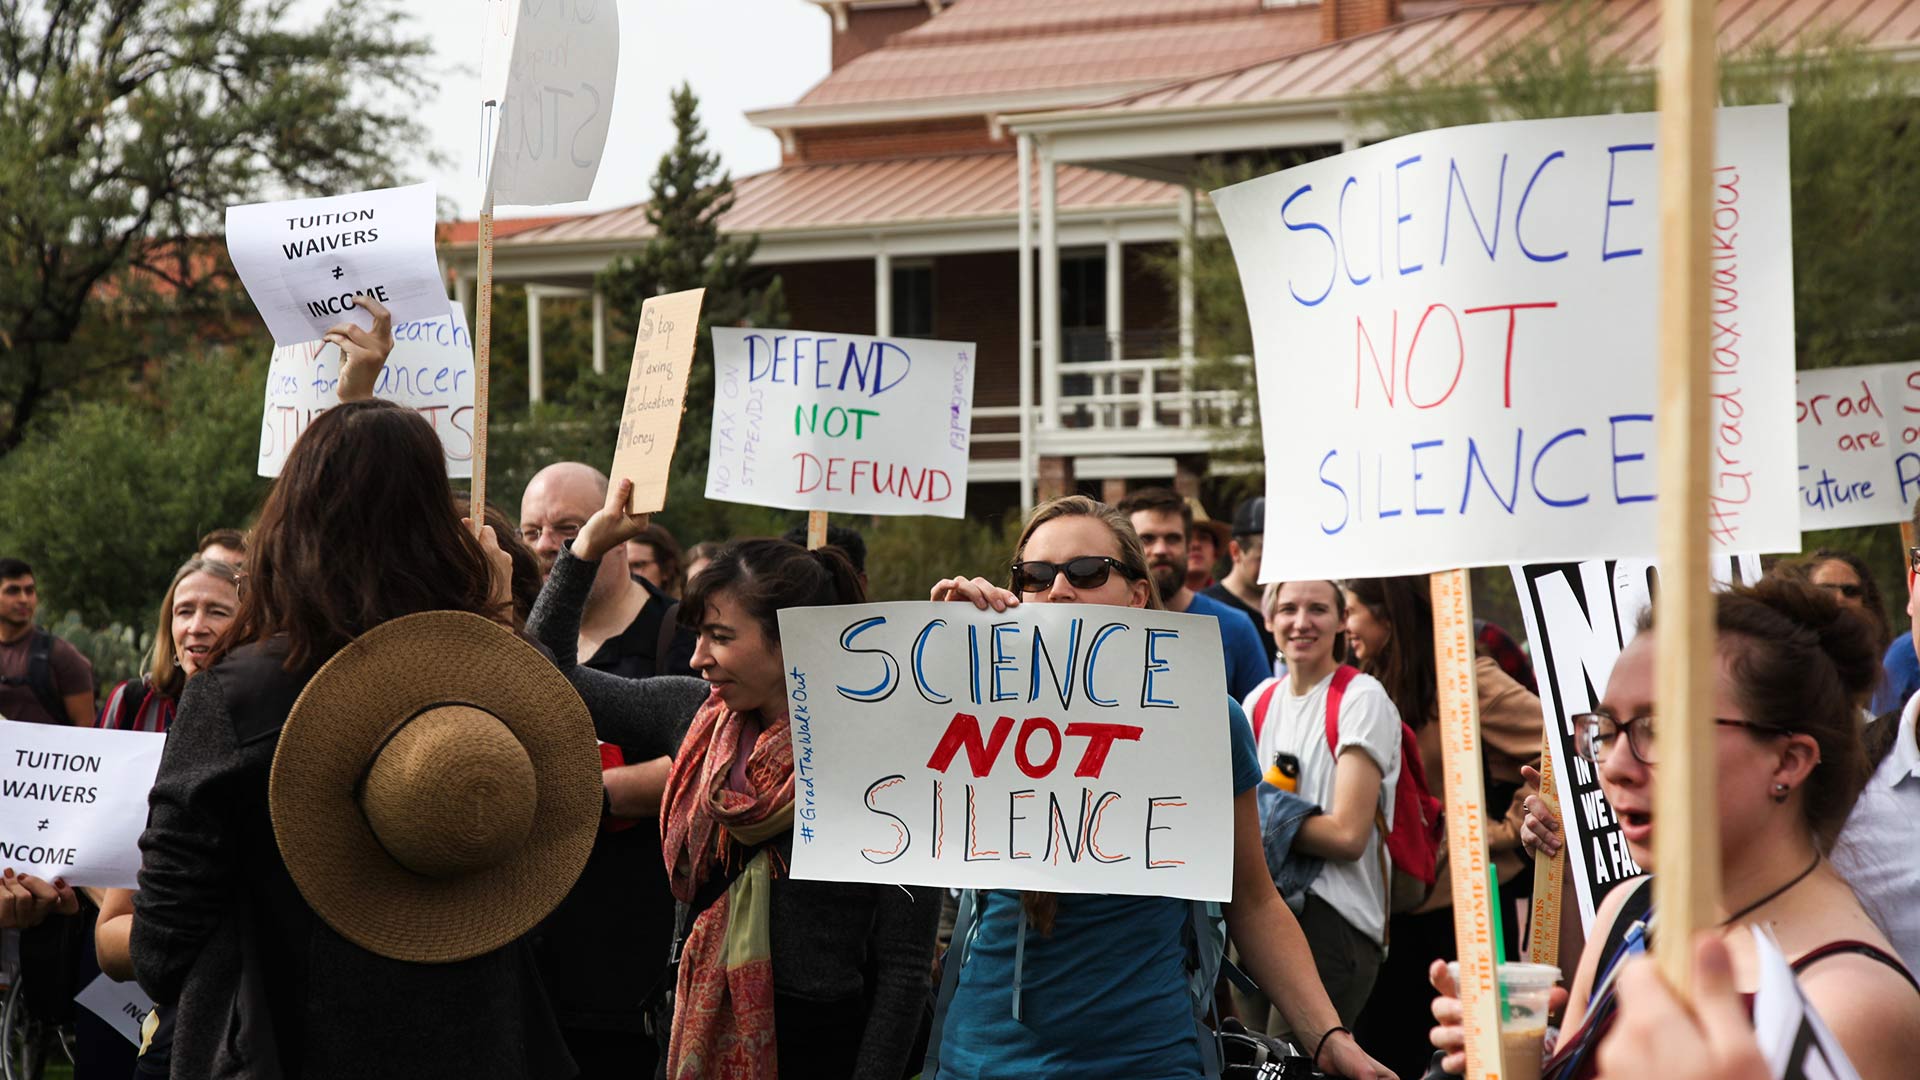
point(1368, 720)
point(1876, 849)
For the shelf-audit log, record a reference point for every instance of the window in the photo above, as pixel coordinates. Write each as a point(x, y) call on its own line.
point(913, 300)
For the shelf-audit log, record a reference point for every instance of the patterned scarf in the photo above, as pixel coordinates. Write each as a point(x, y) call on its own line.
point(723, 1014)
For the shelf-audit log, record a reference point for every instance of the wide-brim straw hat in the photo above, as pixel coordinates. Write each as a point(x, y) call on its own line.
point(1204, 522)
point(436, 790)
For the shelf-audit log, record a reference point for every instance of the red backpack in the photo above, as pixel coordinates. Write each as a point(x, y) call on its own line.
point(1413, 843)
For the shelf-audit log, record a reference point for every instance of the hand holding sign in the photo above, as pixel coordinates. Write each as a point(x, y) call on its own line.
point(1658, 1035)
point(611, 525)
point(26, 901)
point(362, 352)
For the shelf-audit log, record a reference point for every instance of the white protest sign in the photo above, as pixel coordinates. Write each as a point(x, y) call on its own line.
point(1793, 1038)
point(123, 1005)
point(555, 95)
point(430, 370)
point(1579, 617)
point(73, 801)
point(1900, 397)
point(1064, 748)
point(303, 260)
point(1846, 448)
point(1456, 340)
point(841, 422)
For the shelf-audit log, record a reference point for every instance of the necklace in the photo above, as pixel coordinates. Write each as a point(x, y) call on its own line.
point(1772, 896)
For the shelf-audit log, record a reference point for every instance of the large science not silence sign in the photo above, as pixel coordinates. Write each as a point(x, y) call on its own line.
point(1456, 335)
point(1066, 748)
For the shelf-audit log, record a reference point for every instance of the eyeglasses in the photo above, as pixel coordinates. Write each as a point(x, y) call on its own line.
point(1913, 566)
point(1850, 591)
point(1085, 572)
point(1594, 735)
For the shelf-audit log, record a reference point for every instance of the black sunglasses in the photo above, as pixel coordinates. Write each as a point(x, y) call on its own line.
point(1850, 591)
point(1085, 572)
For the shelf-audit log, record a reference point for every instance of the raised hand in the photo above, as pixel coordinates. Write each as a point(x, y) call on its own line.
point(611, 525)
point(362, 352)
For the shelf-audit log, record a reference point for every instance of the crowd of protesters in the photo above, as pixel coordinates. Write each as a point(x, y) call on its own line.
point(660, 933)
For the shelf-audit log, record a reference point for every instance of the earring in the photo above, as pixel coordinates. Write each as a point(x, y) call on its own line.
point(1780, 793)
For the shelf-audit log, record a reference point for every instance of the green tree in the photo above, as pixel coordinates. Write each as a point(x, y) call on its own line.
point(126, 129)
point(108, 502)
point(691, 192)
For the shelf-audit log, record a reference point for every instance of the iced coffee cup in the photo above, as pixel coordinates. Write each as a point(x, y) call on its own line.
point(1523, 1017)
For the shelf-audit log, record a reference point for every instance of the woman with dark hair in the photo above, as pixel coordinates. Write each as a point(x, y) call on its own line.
point(1103, 979)
point(1791, 763)
point(1390, 628)
point(824, 978)
point(655, 555)
point(1847, 578)
point(358, 530)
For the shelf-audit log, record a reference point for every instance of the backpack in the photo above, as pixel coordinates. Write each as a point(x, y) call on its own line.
point(1413, 841)
point(39, 677)
point(1204, 938)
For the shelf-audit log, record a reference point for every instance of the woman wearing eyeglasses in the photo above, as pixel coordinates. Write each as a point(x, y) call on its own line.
point(1790, 764)
point(1102, 979)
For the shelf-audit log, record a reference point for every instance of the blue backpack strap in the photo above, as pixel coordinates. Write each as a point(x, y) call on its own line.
point(1207, 949)
point(949, 980)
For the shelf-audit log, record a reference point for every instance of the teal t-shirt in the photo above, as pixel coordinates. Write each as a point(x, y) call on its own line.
point(1104, 995)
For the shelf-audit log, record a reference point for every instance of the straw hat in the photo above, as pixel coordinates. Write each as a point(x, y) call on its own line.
point(1202, 521)
point(436, 789)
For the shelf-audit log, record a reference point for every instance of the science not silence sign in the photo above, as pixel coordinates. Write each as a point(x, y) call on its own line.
point(1456, 335)
point(1066, 748)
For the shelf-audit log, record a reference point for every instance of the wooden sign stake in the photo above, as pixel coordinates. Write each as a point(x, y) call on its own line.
point(482, 362)
point(1466, 811)
point(1687, 852)
point(1906, 538)
point(816, 529)
point(1543, 926)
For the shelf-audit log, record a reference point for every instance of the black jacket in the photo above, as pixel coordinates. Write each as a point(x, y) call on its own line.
point(259, 985)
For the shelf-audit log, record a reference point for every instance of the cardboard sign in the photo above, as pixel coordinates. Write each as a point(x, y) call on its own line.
point(1456, 340)
point(656, 396)
point(302, 261)
point(123, 1005)
point(1579, 617)
point(430, 371)
point(73, 801)
point(841, 422)
point(555, 95)
point(1066, 748)
point(1793, 1038)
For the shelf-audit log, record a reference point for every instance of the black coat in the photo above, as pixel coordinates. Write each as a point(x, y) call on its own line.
point(258, 984)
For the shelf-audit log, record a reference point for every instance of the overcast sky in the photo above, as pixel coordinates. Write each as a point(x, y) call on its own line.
point(738, 54)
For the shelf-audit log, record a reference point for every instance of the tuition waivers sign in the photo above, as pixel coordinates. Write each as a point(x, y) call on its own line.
point(841, 422)
point(1059, 747)
point(1456, 336)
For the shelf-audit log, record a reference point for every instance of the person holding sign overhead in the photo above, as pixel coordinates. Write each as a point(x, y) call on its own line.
point(1791, 764)
point(1092, 985)
point(772, 976)
point(300, 910)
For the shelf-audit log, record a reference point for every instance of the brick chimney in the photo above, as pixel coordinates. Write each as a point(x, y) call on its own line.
point(861, 26)
point(1342, 19)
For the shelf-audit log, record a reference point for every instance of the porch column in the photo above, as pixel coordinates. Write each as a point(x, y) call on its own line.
point(1116, 321)
point(461, 290)
point(599, 332)
point(1188, 212)
point(882, 294)
point(1024, 358)
point(1049, 290)
point(535, 362)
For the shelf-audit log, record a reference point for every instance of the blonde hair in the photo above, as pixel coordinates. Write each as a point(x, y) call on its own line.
point(1133, 555)
point(163, 668)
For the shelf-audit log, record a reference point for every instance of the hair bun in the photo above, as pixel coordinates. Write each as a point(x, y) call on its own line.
point(1847, 637)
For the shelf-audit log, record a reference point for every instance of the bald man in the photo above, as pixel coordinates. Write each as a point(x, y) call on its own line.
point(600, 948)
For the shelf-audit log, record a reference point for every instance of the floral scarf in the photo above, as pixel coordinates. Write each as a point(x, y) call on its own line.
point(723, 1016)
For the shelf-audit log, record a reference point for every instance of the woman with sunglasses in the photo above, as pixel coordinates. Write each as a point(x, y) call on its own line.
point(1849, 580)
point(1790, 763)
point(1103, 980)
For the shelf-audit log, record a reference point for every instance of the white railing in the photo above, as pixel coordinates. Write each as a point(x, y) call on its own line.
point(1116, 396)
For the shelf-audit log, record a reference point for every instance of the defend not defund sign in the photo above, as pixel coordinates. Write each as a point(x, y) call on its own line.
point(841, 422)
point(1456, 335)
point(1066, 748)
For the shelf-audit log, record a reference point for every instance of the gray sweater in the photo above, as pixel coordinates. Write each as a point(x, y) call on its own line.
point(832, 942)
